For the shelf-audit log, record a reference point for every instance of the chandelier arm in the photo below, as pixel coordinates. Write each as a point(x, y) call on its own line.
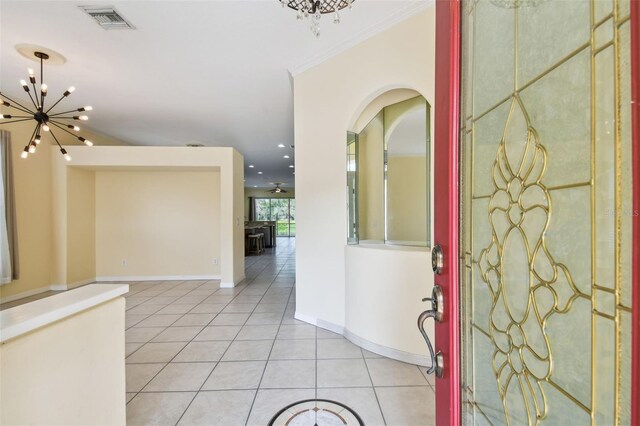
point(15, 121)
point(22, 116)
point(33, 134)
point(55, 123)
point(52, 106)
point(60, 113)
point(24, 108)
point(41, 82)
point(32, 101)
point(56, 139)
point(35, 91)
point(65, 118)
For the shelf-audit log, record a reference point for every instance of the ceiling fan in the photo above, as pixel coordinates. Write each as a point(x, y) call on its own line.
point(277, 189)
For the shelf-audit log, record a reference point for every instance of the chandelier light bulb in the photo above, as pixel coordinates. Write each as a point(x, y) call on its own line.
point(299, 17)
point(65, 155)
point(336, 18)
point(42, 118)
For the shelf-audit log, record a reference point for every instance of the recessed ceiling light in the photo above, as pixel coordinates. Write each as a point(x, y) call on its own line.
point(291, 166)
point(259, 173)
point(255, 186)
point(251, 166)
point(280, 146)
point(286, 156)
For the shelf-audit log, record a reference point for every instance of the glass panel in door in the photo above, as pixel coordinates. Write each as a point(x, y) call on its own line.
point(280, 214)
point(546, 215)
point(292, 217)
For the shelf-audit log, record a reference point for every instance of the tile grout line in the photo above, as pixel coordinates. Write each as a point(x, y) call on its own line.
point(272, 345)
point(223, 354)
point(375, 393)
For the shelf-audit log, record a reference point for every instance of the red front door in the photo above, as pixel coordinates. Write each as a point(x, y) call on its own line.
point(529, 382)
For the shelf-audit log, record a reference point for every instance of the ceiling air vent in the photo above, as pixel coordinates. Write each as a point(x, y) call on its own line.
point(107, 17)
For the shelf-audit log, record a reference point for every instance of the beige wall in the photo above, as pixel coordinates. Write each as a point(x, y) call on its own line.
point(262, 193)
point(400, 57)
point(158, 222)
point(81, 226)
point(34, 198)
point(226, 162)
point(71, 372)
point(406, 207)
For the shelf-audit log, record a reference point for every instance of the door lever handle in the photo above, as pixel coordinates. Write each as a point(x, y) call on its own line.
point(437, 361)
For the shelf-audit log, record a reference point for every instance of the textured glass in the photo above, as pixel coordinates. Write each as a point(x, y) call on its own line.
point(493, 55)
point(605, 168)
point(546, 193)
point(548, 33)
point(602, 8)
point(605, 372)
point(603, 34)
point(626, 157)
point(560, 106)
point(605, 302)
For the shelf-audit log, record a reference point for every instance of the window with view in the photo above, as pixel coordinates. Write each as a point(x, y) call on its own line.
point(279, 210)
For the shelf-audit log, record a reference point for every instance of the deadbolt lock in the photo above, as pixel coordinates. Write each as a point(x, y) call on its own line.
point(437, 259)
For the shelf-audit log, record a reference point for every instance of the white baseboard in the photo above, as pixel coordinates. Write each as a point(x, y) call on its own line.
point(306, 318)
point(227, 285)
point(158, 278)
point(24, 294)
point(385, 351)
point(58, 287)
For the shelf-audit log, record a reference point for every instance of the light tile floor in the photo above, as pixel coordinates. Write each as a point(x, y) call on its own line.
point(198, 354)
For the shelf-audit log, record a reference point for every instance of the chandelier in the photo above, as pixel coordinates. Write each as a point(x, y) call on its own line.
point(314, 9)
point(44, 117)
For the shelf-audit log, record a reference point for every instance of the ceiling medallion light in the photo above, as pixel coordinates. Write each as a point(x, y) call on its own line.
point(314, 9)
point(44, 117)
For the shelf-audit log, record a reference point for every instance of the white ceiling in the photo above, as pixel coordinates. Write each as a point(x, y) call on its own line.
point(209, 72)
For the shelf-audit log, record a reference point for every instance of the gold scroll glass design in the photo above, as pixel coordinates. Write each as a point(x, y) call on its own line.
point(527, 284)
point(545, 230)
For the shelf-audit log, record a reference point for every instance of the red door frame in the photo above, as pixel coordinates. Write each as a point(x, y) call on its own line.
point(446, 209)
point(635, 118)
point(446, 205)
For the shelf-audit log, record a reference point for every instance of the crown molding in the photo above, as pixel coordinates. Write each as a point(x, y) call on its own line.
point(415, 7)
